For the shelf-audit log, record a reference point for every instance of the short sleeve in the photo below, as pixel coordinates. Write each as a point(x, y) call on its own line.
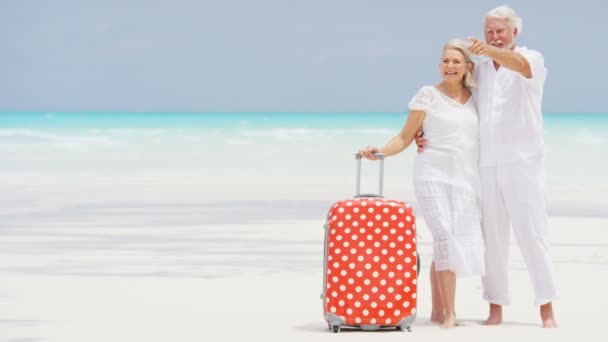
point(421, 101)
point(537, 66)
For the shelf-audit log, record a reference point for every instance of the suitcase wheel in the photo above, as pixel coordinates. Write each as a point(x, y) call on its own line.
point(335, 328)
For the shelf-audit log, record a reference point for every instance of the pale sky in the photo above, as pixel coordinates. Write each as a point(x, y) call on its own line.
point(273, 55)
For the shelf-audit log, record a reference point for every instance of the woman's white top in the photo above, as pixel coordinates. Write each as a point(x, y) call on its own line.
point(451, 129)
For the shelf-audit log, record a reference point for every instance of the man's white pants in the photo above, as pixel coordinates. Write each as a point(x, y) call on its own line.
point(514, 193)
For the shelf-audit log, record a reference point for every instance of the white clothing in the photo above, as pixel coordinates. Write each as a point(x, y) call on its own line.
point(452, 215)
point(512, 175)
point(451, 129)
point(509, 108)
point(446, 180)
point(515, 193)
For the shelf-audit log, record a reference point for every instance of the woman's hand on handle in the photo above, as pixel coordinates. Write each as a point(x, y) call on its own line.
point(368, 152)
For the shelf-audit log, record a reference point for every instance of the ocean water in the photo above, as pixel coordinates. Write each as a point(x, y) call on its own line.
point(259, 156)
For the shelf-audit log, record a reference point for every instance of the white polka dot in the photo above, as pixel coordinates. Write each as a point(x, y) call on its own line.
point(378, 217)
point(349, 311)
point(366, 297)
point(377, 244)
point(413, 311)
point(351, 281)
point(365, 312)
point(354, 237)
point(408, 246)
point(361, 244)
point(370, 210)
point(408, 218)
point(333, 309)
point(344, 257)
point(375, 274)
point(367, 282)
point(350, 296)
point(328, 285)
point(339, 237)
point(399, 267)
point(401, 210)
point(408, 232)
point(391, 259)
point(397, 312)
point(357, 320)
point(358, 289)
point(384, 251)
point(356, 210)
point(386, 210)
point(333, 218)
point(369, 251)
point(399, 282)
point(385, 237)
point(359, 274)
point(389, 305)
point(399, 252)
point(353, 251)
point(401, 225)
point(362, 230)
point(327, 300)
point(357, 304)
point(408, 260)
point(362, 217)
point(340, 224)
point(406, 304)
point(380, 313)
point(334, 294)
point(336, 264)
point(408, 274)
point(406, 289)
point(347, 217)
point(349, 204)
point(388, 321)
point(393, 217)
point(363, 204)
point(368, 266)
point(374, 289)
point(414, 295)
point(360, 258)
point(390, 289)
point(370, 237)
point(378, 230)
point(370, 224)
point(398, 297)
point(335, 279)
point(414, 281)
point(374, 305)
point(385, 224)
point(383, 282)
point(345, 244)
point(393, 231)
point(372, 321)
point(341, 303)
point(380, 203)
point(383, 266)
point(342, 288)
point(382, 297)
point(343, 272)
point(400, 238)
point(391, 274)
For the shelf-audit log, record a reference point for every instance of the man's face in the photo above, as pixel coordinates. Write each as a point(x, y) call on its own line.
point(499, 35)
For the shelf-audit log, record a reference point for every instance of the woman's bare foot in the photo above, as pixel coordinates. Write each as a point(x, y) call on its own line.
point(437, 318)
point(495, 317)
point(546, 314)
point(449, 322)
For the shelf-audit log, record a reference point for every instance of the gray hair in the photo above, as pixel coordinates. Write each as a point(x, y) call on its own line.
point(507, 13)
point(461, 45)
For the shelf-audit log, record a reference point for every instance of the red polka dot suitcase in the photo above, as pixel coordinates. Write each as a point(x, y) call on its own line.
point(370, 263)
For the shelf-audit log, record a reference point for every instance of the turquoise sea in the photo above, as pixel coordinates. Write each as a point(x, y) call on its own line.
point(261, 156)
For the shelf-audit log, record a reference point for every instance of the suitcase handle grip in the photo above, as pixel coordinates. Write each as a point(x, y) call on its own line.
point(380, 156)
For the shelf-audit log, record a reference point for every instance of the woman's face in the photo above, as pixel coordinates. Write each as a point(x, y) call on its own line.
point(453, 66)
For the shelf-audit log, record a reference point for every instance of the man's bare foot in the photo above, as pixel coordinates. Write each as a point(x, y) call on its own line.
point(546, 314)
point(449, 322)
point(437, 318)
point(495, 317)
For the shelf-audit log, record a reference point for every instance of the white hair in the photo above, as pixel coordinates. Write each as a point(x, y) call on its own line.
point(461, 45)
point(507, 13)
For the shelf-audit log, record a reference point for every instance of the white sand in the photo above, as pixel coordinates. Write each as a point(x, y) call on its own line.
point(129, 279)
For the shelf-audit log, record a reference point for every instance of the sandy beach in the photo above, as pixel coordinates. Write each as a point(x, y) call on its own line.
point(196, 271)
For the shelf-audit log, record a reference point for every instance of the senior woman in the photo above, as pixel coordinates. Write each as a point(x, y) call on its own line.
point(446, 180)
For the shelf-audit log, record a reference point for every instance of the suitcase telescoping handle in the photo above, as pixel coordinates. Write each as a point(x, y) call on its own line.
point(380, 156)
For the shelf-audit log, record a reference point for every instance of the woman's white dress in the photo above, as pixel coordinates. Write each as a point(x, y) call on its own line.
point(446, 181)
